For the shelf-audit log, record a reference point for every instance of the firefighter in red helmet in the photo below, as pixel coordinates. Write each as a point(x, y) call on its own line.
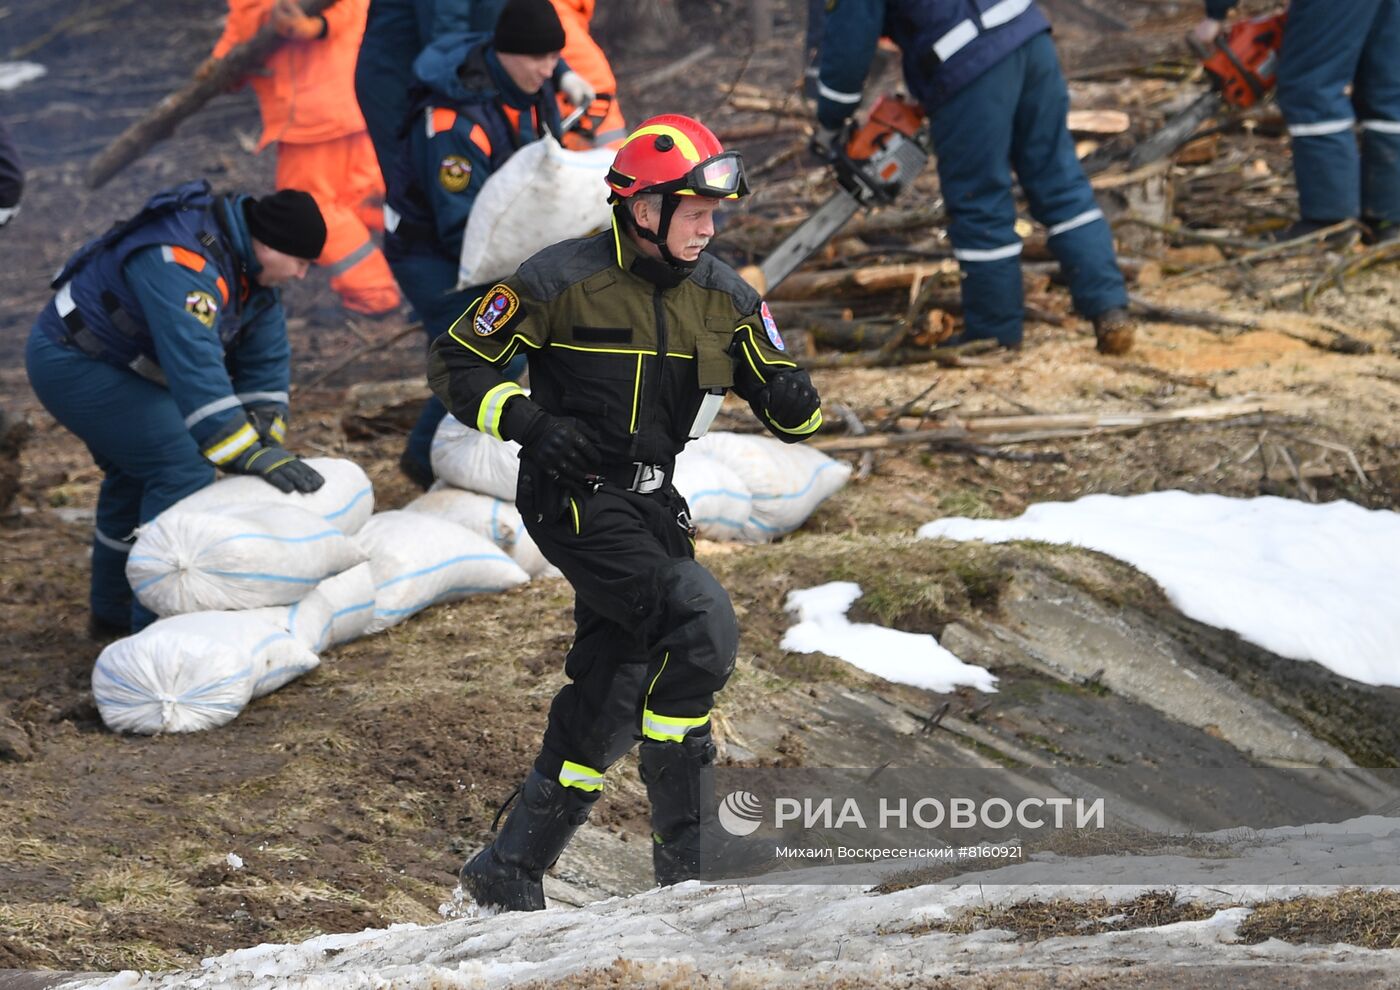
point(633, 336)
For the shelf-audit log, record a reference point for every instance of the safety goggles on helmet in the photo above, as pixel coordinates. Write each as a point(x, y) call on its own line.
point(719, 177)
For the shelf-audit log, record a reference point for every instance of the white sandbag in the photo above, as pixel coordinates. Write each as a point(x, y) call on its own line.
point(496, 519)
point(173, 682)
point(348, 599)
point(474, 461)
point(345, 501)
point(719, 501)
point(275, 654)
point(308, 621)
point(543, 194)
point(235, 557)
point(419, 560)
point(786, 482)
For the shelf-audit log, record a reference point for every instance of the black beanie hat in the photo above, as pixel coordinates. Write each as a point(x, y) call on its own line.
point(288, 221)
point(529, 27)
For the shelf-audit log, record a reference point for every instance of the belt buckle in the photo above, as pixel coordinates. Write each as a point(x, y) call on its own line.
point(646, 478)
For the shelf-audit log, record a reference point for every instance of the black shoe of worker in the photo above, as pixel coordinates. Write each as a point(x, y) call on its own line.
point(1113, 331)
point(1382, 232)
point(416, 471)
point(103, 631)
point(509, 873)
point(1305, 228)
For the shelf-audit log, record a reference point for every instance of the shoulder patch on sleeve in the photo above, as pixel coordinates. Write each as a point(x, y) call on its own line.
point(454, 173)
point(770, 326)
point(498, 309)
point(202, 306)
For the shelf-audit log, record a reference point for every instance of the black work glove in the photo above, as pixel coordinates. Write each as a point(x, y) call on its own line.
point(270, 423)
point(282, 470)
point(557, 444)
point(790, 399)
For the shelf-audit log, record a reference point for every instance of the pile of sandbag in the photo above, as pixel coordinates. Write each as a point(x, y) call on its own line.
point(252, 585)
point(740, 487)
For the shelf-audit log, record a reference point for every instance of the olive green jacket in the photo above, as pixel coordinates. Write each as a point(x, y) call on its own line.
point(620, 342)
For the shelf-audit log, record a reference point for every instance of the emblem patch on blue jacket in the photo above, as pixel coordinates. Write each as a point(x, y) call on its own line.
point(454, 173)
point(202, 307)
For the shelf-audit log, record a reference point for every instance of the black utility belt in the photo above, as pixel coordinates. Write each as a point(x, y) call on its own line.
point(636, 476)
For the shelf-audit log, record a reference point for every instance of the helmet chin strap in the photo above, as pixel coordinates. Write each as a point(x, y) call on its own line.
point(669, 202)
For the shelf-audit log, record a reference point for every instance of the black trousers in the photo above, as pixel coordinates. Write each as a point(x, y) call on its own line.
point(655, 632)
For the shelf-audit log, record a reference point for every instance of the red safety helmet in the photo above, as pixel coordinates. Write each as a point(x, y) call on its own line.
point(674, 154)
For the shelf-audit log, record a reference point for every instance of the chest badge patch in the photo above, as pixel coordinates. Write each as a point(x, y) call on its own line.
point(202, 307)
point(454, 173)
point(771, 327)
point(495, 310)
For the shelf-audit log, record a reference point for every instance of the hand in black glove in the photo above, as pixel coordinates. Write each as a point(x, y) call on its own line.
point(791, 400)
point(280, 469)
point(270, 423)
point(557, 444)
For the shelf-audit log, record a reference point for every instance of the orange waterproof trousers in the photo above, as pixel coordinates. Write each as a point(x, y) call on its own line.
point(343, 176)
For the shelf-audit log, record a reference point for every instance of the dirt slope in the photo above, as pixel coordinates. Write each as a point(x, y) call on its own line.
point(352, 795)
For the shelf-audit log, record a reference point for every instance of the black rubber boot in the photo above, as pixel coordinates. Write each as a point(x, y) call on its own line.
point(680, 779)
point(508, 873)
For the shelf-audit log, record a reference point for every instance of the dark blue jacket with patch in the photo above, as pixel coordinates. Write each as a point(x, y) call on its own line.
point(946, 45)
point(467, 120)
point(169, 294)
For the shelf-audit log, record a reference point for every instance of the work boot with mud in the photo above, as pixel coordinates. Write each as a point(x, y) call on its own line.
point(508, 874)
point(1113, 331)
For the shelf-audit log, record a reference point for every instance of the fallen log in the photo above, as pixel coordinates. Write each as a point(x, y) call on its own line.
point(997, 430)
point(160, 122)
point(869, 278)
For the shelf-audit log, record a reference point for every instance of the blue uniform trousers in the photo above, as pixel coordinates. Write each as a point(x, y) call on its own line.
point(1328, 47)
point(1013, 116)
point(138, 438)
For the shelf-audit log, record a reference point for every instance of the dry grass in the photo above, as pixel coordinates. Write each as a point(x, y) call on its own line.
point(1368, 918)
point(1037, 920)
point(136, 886)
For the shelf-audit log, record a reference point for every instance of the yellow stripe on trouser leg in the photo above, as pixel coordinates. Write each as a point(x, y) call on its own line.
point(577, 775)
point(669, 728)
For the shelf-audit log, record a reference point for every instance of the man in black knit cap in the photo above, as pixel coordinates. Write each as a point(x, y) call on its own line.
point(165, 350)
point(483, 98)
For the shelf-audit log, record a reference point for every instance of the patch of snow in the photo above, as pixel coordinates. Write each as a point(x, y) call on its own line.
point(13, 75)
point(775, 936)
point(907, 658)
point(1308, 582)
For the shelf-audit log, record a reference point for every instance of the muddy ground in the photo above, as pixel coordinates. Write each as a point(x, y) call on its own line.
point(352, 795)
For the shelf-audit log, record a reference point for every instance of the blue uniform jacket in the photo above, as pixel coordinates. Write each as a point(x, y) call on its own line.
point(468, 120)
point(946, 44)
point(170, 295)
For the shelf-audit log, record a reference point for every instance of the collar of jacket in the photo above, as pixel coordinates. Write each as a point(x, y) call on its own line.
point(631, 258)
point(235, 225)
